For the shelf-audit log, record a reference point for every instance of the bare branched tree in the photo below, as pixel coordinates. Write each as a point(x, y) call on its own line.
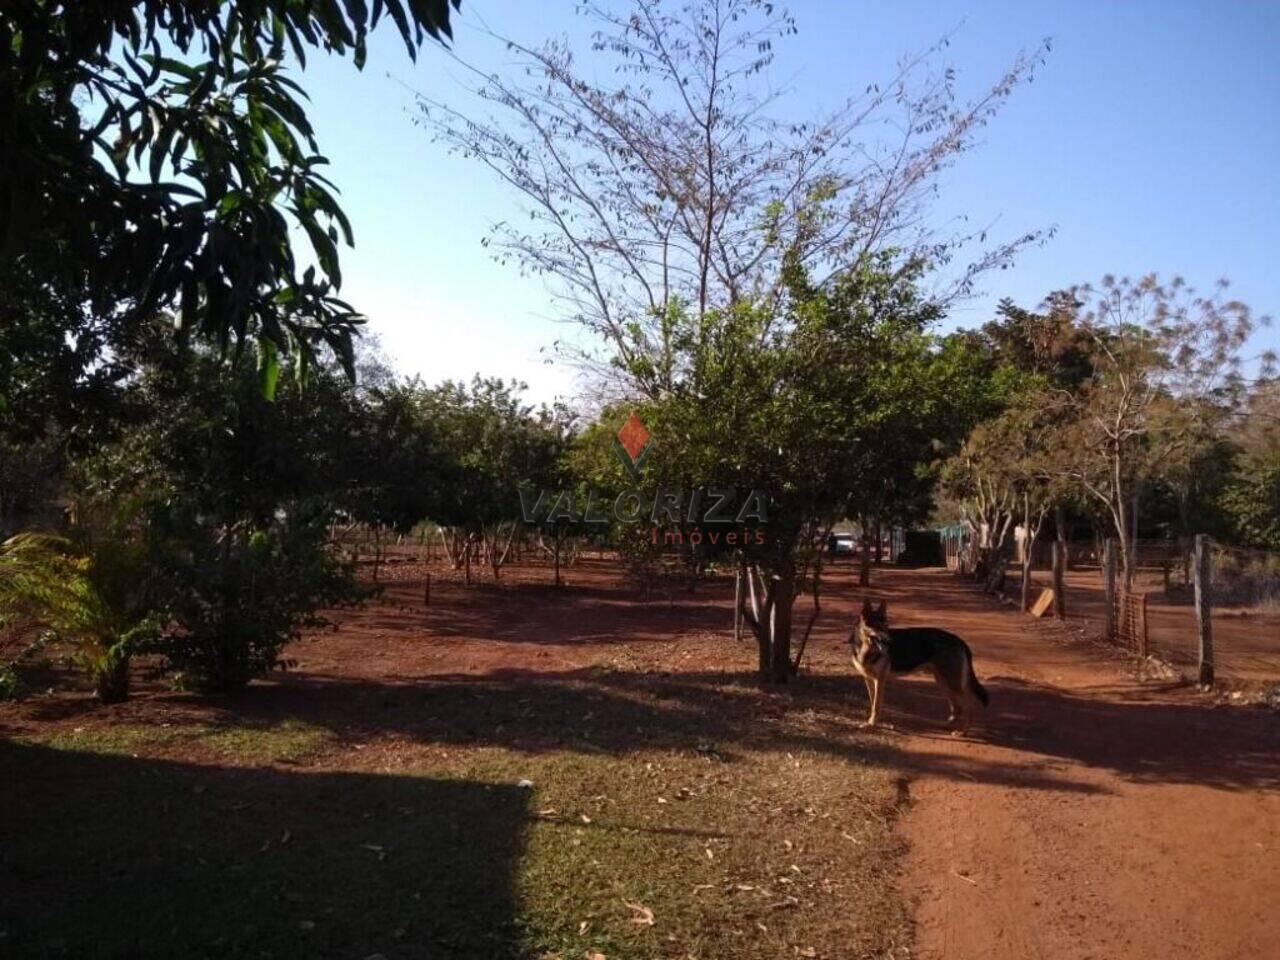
point(676, 183)
point(1167, 376)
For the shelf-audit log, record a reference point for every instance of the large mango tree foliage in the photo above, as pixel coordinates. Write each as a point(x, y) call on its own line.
point(158, 157)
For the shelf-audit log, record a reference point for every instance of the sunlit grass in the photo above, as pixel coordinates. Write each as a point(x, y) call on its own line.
point(287, 741)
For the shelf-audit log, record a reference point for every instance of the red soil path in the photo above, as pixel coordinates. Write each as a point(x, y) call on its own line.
point(1099, 817)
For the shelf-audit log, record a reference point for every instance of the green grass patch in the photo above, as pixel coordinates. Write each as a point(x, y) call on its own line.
point(671, 854)
point(623, 815)
point(652, 854)
point(287, 741)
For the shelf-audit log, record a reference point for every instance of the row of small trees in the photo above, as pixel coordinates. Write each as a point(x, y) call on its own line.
point(189, 516)
point(1128, 399)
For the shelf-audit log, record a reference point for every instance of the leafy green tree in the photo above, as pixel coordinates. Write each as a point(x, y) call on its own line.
point(159, 158)
point(234, 494)
point(60, 393)
point(1251, 495)
point(1050, 346)
point(822, 408)
point(397, 471)
point(1252, 500)
point(1165, 379)
point(1008, 472)
point(494, 444)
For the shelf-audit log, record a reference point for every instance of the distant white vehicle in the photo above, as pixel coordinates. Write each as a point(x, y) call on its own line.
point(841, 543)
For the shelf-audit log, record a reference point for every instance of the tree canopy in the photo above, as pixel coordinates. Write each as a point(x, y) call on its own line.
point(158, 156)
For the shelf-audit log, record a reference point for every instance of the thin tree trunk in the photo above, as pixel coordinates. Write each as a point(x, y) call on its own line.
point(1109, 579)
point(1204, 608)
point(1064, 535)
point(864, 557)
point(813, 617)
point(739, 598)
point(1060, 564)
point(783, 596)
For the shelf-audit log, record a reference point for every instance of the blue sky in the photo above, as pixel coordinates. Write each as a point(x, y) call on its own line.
point(1150, 140)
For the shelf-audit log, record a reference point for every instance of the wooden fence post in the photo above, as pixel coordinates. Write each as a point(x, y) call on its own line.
point(1143, 639)
point(1059, 580)
point(1204, 608)
point(738, 600)
point(1109, 570)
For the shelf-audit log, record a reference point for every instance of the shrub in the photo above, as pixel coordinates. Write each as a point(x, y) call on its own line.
point(93, 595)
point(237, 596)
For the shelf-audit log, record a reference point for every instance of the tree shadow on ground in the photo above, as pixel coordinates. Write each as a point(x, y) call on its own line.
point(727, 714)
point(113, 856)
point(535, 614)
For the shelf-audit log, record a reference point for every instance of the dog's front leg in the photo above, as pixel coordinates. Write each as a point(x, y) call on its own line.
point(871, 697)
point(876, 687)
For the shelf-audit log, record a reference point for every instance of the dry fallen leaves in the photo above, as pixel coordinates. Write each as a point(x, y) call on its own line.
point(643, 915)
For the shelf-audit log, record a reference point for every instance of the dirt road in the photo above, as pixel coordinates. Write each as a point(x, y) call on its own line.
point(1091, 816)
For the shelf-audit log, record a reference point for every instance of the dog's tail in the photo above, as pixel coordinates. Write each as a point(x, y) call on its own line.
point(976, 685)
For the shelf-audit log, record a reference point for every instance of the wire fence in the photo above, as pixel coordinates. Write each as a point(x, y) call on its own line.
point(1157, 613)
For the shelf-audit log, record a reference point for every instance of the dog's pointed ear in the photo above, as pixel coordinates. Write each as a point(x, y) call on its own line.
point(883, 611)
point(867, 610)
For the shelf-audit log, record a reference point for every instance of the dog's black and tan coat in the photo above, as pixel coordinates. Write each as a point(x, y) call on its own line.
point(880, 652)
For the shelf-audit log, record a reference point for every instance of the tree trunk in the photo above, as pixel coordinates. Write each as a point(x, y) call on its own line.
point(772, 623)
point(762, 623)
point(739, 598)
point(1130, 551)
point(557, 539)
point(813, 617)
point(1063, 534)
point(1204, 609)
point(1122, 537)
point(1024, 600)
point(1059, 580)
point(1109, 579)
point(1028, 544)
point(112, 681)
point(783, 589)
point(864, 558)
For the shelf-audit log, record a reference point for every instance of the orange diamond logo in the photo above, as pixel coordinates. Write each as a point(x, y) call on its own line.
point(634, 440)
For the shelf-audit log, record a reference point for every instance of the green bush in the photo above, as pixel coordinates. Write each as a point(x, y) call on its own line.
point(237, 597)
point(92, 593)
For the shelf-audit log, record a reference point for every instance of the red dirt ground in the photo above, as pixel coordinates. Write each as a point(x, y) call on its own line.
point(1088, 814)
point(1102, 817)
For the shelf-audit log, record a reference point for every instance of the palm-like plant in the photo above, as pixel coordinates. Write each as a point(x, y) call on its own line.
point(93, 598)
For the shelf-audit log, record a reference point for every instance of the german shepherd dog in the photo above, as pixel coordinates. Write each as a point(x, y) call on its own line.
point(880, 653)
